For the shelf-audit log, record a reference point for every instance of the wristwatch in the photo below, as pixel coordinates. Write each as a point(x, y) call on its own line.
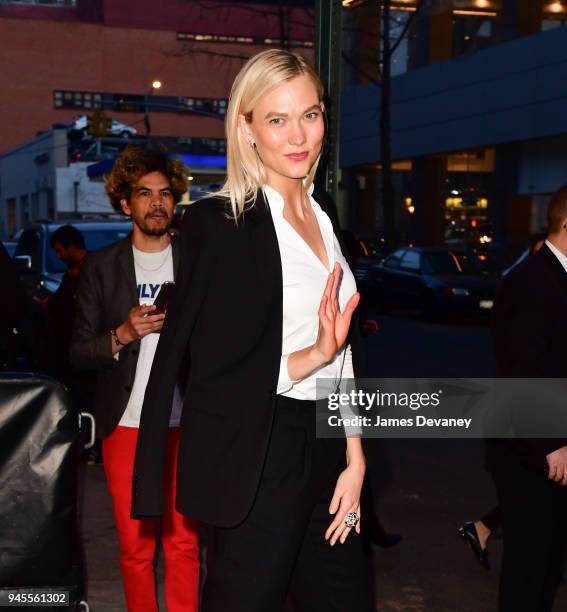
point(116, 338)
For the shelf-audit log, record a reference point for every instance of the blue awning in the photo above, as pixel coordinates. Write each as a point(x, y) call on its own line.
point(203, 161)
point(100, 168)
point(191, 160)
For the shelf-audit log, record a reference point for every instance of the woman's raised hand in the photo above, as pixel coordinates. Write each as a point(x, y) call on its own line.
point(333, 324)
point(333, 330)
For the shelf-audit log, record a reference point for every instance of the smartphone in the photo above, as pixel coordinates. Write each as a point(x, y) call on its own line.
point(162, 299)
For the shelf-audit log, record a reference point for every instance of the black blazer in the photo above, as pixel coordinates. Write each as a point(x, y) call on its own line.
point(107, 291)
point(529, 330)
point(226, 313)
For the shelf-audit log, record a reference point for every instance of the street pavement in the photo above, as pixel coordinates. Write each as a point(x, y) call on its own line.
point(427, 488)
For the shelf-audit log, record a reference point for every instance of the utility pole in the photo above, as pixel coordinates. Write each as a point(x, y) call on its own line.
point(388, 196)
point(282, 15)
point(76, 197)
point(328, 65)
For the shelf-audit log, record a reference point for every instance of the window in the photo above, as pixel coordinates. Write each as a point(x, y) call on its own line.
point(411, 261)
point(77, 99)
point(394, 260)
point(241, 40)
point(29, 244)
point(25, 210)
point(95, 239)
point(42, 2)
point(472, 33)
point(450, 262)
point(11, 216)
point(204, 145)
point(34, 206)
point(136, 103)
point(551, 24)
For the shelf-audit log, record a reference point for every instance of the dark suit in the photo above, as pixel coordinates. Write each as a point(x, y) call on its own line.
point(107, 292)
point(228, 302)
point(227, 311)
point(530, 339)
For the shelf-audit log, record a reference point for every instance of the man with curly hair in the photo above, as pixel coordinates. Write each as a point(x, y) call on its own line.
point(116, 332)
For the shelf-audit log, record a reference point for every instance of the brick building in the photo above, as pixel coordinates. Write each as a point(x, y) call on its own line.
point(74, 55)
point(478, 128)
point(64, 58)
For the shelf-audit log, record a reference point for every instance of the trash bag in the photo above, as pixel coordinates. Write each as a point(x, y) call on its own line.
point(39, 449)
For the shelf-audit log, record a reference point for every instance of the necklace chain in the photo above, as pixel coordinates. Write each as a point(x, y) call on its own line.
point(162, 262)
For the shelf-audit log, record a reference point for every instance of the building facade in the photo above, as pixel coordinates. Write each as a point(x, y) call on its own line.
point(478, 136)
point(68, 58)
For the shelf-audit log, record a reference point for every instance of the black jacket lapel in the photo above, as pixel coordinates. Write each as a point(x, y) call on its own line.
point(556, 269)
point(126, 257)
point(175, 254)
point(265, 248)
point(260, 225)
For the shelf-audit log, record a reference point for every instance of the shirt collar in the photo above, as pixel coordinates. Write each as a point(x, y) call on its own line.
point(561, 256)
point(276, 201)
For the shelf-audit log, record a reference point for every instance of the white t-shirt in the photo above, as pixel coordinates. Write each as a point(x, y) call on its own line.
point(152, 269)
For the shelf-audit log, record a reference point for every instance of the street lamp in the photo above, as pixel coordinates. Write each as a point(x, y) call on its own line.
point(155, 85)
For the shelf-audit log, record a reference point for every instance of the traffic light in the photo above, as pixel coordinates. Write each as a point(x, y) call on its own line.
point(92, 124)
point(99, 124)
point(106, 125)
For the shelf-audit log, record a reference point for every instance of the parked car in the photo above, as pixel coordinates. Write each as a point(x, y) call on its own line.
point(41, 269)
point(433, 281)
point(537, 242)
point(122, 130)
point(10, 246)
point(365, 251)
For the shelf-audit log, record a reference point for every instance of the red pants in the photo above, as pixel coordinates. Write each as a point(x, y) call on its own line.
point(137, 539)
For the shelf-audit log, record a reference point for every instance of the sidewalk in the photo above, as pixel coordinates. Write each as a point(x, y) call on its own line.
point(436, 486)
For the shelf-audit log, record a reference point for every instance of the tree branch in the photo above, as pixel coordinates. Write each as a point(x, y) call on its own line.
point(352, 63)
point(186, 50)
point(420, 4)
point(258, 11)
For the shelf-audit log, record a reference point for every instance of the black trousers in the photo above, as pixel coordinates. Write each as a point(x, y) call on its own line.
point(534, 533)
point(492, 519)
point(280, 549)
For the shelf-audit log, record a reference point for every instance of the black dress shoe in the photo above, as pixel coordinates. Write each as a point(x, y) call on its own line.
point(468, 532)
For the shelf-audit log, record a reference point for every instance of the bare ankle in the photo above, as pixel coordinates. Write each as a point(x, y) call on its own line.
point(483, 533)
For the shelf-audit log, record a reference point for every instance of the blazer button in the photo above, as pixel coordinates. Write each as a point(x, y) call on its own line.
point(135, 352)
point(127, 388)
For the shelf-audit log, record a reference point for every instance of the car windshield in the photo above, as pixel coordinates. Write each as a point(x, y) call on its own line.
point(450, 262)
point(95, 239)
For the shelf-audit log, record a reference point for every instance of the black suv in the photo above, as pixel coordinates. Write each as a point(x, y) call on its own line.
point(36, 260)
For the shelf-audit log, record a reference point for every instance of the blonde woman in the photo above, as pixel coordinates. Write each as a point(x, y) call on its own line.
point(262, 308)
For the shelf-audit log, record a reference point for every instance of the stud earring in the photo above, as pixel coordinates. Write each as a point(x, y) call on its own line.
point(251, 143)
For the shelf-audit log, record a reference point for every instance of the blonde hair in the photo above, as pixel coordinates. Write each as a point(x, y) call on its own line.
point(260, 75)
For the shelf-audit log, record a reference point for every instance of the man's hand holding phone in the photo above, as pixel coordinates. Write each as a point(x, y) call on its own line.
point(143, 320)
point(140, 323)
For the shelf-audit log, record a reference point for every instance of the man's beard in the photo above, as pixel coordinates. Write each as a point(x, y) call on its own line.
point(155, 231)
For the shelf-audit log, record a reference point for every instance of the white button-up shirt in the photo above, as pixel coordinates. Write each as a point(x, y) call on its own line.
point(561, 256)
point(304, 279)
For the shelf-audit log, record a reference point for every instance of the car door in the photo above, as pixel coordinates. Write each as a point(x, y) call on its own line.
point(29, 245)
point(410, 280)
point(389, 288)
